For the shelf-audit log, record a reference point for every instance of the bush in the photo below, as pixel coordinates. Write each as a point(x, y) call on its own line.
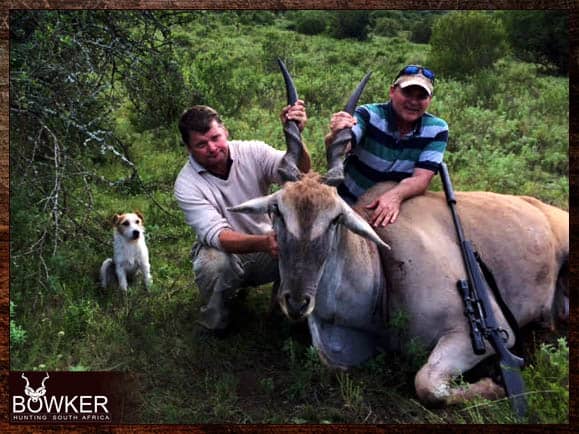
point(385, 26)
point(157, 90)
point(465, 43)
point(350, 24)
point(17, 333)
point(311, 22)
point(256, 18)
point(539, 36)
point(421, 31)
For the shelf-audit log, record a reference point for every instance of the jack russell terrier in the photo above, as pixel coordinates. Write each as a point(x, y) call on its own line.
point(130, 253)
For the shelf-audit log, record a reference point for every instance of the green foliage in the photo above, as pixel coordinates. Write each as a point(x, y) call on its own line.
point(350, 392)
point(17, 333)
point(311, 22)
point(256, 18)
point(157, 90)
point(547, 391)
point(399, 321)
point(548, 377)
point(386, 26)
point(305, 370)
point(421, 30)
point(350, 24)
point(465, 43)
point(338, 24)
point(539, 36)
point(222, 393)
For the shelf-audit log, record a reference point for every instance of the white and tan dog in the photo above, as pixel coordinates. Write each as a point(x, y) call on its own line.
point(130, 253)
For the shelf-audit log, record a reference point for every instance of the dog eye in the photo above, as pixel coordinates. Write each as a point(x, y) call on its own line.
point(138, 222)
point(126, 223)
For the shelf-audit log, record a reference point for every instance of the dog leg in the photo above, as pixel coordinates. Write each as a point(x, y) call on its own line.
point(122, 277)
point(147, 276)
point(146, 267)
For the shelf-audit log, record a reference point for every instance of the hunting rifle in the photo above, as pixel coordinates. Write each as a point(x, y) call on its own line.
point(478, 310)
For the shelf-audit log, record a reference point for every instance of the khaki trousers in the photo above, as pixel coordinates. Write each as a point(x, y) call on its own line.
point(219, 277)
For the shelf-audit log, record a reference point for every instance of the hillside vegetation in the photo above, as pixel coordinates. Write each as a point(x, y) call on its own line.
point(95, 97)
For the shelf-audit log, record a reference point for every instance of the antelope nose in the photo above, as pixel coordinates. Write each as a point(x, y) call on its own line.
point(297, 306)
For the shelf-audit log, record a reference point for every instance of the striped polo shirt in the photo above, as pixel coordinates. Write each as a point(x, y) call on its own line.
point(379, 153)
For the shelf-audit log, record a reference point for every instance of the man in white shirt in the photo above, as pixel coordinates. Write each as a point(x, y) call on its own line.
point(233, 250)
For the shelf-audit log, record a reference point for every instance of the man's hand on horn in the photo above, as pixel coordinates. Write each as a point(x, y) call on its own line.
point(338, 122)
point(296, 113)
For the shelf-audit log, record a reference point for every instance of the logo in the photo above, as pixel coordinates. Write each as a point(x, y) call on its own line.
point(35, 395)
point(65, 404)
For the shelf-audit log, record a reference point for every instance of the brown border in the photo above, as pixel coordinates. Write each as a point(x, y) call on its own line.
point(5, 8)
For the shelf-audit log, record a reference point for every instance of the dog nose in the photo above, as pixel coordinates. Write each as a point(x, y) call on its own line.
point(136, 234)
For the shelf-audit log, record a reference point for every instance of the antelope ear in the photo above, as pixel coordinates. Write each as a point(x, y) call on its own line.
point(358, 225)
point(259, 205)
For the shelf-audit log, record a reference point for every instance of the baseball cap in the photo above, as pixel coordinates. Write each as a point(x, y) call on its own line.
point(416, 75)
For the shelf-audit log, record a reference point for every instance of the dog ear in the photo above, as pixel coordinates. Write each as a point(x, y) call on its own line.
point(116, 219)
point(140, 214)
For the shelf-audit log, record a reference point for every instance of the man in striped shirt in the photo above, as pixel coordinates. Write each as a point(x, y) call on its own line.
point(393, 141)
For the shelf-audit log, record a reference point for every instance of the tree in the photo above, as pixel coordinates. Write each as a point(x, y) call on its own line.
point(464, 43)
point(539, 36)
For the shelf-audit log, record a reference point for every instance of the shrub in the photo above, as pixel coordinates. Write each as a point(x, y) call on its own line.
point(539, 36)
point(311, 22)
point(385, 26)
point(421, 31)
point(256, 18)
point(17, 333)
point(350, 24)
point(157, 90)
point(464, 43)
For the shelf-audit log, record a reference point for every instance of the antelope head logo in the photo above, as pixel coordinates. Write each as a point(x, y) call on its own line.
point(33, 394)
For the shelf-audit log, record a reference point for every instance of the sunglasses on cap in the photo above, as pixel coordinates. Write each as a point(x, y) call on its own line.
point(416, 69)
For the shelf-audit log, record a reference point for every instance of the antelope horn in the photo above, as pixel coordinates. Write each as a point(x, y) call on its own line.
point(27, 382)
point(45, 378)
point(288, 169)
point(292, 95)
point(336, 151)
point(353, 101)
point(358, 225)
